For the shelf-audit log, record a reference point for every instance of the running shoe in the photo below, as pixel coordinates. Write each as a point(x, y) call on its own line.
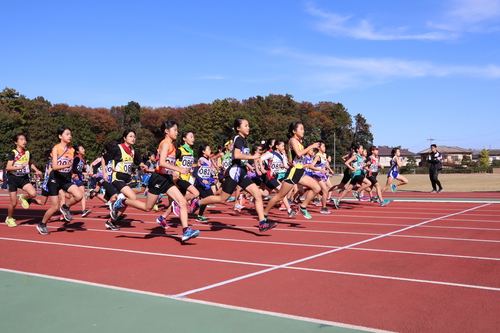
point(190, 233)
point(336, 203)
point(163, 222)
point(92, 194)
point(201, 219)
point(211, 206)
point(434, 191)
point(193, 207)
point(110, 225)
point(231, 199)
point(318, 204)
point(146, 192)
point(156, 208)
point(374, 199)
point(393, 188)
point(290, 202)
point(238, 207)
point(440, 190)
point(384, 203)
point(364, 199)
point(341, 190)
point(292, 213)
point(315, 201)
point(42, 229)
point(121, 217)
point(355, 194)
point(66, 213)
point(61, 218)
point(176, 209)
point(11, 222)
point(305, 213)
point(265, 225)
point(24, 202)
point(86, 212)
point(325, 211)
point(282, 207)
point(117, 206)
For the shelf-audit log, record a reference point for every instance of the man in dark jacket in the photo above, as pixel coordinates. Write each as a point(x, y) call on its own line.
point(435, 165)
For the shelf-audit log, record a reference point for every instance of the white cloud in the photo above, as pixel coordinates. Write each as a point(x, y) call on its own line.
point(213, 77)
point(333, 74)
point(470, 16)
point(337, 25)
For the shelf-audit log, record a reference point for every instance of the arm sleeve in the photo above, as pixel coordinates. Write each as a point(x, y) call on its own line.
point(76, 161)
point(196, 176)
point(267, 156)
point(11, 156)
point(112, 154)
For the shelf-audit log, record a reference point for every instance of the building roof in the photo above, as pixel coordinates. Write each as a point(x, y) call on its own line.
point(494, 152)
point(383, 151)
point(448, 150)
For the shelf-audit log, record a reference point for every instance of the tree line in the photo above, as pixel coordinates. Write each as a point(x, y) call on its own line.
point(212, 123)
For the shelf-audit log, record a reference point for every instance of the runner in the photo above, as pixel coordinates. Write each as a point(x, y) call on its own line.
point(78, 178)
point(396, 163)
point(372, 168)
point(122, 157)
point(355, 164)
point(319, 172)
point(295, 174)
point(60, 179)
point(204, 177)
point(184, 157)
point(161, 181)
point(18, 167)
point(236, 175)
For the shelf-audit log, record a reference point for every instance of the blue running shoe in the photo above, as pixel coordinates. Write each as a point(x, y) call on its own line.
point(355, 194)
point(190, 233)
point(117, 206)
point(384, 203)
point(393, 188)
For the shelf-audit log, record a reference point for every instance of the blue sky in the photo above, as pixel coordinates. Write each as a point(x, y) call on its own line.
point(415, 69)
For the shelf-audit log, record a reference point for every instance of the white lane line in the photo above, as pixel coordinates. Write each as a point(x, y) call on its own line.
point(136, 252)
point(248, 241)
point(222, 283)
point(219, 305)
point(450, 284)
point(260, 265)
point(253, 229)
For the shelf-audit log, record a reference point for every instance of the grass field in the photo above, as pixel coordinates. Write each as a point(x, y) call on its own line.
point(451, 182)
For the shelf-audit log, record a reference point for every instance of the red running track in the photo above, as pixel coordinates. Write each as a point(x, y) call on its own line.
point(406, 267)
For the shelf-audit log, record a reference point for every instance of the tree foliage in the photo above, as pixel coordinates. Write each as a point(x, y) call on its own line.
point(212, 123)
point(484, 159)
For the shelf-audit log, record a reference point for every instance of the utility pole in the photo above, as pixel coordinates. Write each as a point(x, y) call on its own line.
point(430, 140)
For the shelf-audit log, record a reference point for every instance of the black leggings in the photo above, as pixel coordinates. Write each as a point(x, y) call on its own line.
point(433, 175)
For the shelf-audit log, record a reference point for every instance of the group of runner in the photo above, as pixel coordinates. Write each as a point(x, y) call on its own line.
point(235, 170)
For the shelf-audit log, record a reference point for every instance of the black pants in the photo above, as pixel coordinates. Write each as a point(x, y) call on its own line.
point(433, 175)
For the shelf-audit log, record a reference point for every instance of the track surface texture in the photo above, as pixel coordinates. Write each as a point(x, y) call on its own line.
point(424, 263)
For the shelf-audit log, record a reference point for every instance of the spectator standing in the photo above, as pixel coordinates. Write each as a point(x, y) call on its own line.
point(435, 165)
